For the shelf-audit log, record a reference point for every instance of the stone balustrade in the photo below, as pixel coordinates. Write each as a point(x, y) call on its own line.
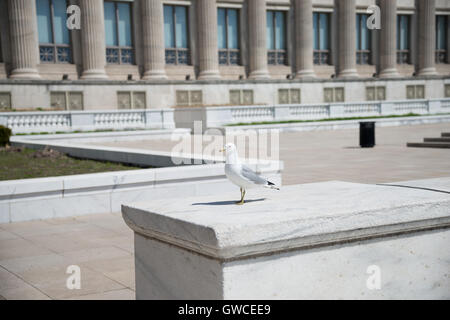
point(66, 121)
point(222, 116)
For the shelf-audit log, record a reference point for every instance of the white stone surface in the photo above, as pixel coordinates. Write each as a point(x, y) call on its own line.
point(306, 241)
point(297, 216)
point(438, 184)
point(65, 196)
point(411, 267)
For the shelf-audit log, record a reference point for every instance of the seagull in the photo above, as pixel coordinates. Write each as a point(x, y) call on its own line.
point(241, 175)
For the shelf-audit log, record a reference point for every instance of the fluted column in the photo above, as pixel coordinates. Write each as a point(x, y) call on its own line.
point(93, 39)
point(257, 39)
point(347, 39)
point(388, 39)
point(427, 37)
point(304, 38)
point(23, 34)
point(207, 39)
point(153, 39)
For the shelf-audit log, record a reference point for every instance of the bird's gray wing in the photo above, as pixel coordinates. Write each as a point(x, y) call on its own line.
point(249, 174)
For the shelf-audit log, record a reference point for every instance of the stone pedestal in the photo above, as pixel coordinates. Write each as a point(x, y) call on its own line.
point(304, 38)
point(153, 39)
point(388, 39)
point(331, 240)
point(427, 37)
point(93, 39)
point(23, 35)
point(347, 39)
point(257, 24)
point(207, 40)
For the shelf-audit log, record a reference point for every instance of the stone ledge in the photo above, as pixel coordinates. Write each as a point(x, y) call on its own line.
point(297, 217)
point(213, 82)
point(339, 124)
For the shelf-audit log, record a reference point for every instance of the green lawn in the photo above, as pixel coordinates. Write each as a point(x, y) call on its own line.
point(20, 163)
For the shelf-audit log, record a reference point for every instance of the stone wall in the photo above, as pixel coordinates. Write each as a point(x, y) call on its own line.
point(107, 95)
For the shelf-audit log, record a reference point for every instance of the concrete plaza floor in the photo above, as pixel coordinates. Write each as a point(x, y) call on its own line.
point(315, 156)
point(34, 256)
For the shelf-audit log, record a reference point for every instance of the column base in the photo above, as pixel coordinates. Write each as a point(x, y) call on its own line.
point(259, 75)
point(389, 73)
point(155, 75)
point(302, 74)
point(348, 73)
point(94, 75)
point(25, 74)
point(209, 75)
point(425, 72)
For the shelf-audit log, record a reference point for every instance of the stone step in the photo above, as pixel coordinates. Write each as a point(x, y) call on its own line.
point(446, 134)
point(444, 145)
point(445, 139)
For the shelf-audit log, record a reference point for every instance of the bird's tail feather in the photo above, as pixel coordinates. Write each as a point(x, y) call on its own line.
point(271, 185)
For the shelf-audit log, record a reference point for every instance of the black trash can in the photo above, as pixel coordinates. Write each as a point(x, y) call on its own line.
point(367, 134)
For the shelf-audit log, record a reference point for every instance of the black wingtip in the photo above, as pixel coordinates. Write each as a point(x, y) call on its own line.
point(272, 185)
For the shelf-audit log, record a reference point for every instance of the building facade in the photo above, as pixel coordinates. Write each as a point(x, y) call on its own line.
point(163, 53)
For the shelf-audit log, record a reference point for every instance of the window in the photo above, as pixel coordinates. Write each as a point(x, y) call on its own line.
point(415, 92)
point(375, 93)
point(403, 42)
point(228, 36)
point(241, 97)
point(333, 95)
point(54, 38)
point(189, 97)
point(321, 41)
point(66, 100)
point(363, 39)
point(5, 100)
point(289, 96)
point(447, 90)
point(441, 39)
point(131, 100)
point(176, 35)
point(118, 35)
point(276, 37)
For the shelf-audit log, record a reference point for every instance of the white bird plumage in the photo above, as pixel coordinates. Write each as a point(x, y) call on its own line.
point(241, 175)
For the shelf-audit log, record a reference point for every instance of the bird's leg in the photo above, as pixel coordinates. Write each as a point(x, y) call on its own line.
point(239, 202)
point(242, 197)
